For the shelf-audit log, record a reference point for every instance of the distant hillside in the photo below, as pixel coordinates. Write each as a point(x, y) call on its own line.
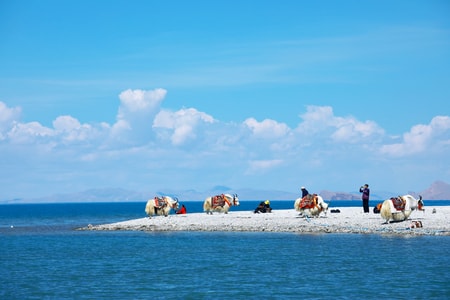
point(438, 190)
point(329, 195)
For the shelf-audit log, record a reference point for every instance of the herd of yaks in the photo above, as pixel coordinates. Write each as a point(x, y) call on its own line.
point(394, 209)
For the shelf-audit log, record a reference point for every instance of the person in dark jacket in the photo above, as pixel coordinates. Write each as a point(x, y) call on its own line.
point(305, 193)
point(263, 207)
point(377, 208)
point(365, 197)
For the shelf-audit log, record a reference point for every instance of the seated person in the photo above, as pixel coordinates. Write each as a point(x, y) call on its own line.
point(377, 208)
point(263, 207)
point(182, 210)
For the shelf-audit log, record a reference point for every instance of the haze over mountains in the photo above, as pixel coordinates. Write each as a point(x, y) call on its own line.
point(438, 190)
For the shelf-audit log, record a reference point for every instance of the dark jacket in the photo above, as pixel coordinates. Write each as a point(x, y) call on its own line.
point(365, 193)
point(305, 193)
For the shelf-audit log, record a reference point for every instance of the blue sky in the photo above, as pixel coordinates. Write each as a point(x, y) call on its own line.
point(148, 95)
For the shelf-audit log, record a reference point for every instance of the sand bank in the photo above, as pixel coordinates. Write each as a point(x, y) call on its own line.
point(349, 220)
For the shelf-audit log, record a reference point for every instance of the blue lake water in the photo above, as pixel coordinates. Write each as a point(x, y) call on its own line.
point(42, 256)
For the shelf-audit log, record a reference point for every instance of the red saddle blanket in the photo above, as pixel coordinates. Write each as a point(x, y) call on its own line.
point(219, 200)
point(159, 202)
point(309, 202)
point(399, 203)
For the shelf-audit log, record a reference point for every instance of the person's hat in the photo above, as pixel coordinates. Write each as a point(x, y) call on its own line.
point(267, 202)
point(366, 185)
point(302, 188)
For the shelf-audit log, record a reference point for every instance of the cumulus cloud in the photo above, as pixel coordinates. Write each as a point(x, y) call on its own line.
point(352, 130)
point(181, 124)
point(267, 128)
point(421, 137)
point(137, 107)
point(316, 119)
point(66, 123)
point(146, 132)
point(135, 115)
point(339, 129)
point(119, 127)
point(8, 116)
point(66, 130)
point(72, 130)
point(29, 132)
point(141, 100)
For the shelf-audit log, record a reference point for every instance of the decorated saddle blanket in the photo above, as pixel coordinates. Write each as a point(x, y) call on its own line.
point(160, 202)
point(399, 203)
point(219, 200)
point(309, 201)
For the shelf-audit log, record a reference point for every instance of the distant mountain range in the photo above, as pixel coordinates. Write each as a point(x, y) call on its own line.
point(439, 190)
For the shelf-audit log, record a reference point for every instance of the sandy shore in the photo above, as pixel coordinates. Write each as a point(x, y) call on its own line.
point(349, 220)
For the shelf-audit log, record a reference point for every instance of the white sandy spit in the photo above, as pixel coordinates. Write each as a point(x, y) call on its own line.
point(349, 220)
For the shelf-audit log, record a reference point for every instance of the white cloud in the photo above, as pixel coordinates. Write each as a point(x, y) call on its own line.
point(352, 130)
point(66, 130)
point(66, 123)
point(267, 128)
point(141, 100)
point(29, 132)
point(321, 119)
point(71, 130)
point(119, 128)
point(316, 119)
point(181, 124)
point(135, 115)
point(422, 137)
point(147, 139)
point(8, 115)
point(138, 107)
point(7, 118)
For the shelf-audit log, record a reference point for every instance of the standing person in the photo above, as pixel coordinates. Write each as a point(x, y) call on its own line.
point(365, 197)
